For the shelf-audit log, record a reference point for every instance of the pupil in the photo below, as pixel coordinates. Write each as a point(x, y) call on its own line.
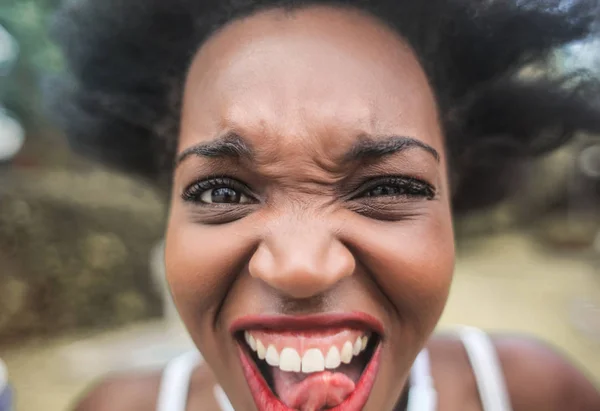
point(225, 195)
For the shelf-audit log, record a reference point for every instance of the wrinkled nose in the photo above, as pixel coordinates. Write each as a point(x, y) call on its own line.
point(301, 259)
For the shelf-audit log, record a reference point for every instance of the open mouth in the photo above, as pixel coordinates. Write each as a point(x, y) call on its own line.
point(308, 365)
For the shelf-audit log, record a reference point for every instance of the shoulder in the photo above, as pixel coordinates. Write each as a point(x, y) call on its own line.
point(139, 392)
point(132, 392)
point(538, 377)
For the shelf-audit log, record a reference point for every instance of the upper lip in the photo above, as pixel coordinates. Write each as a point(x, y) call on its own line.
point(307, 322)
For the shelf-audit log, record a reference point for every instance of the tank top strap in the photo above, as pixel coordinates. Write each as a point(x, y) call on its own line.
point(222, 399)
point(175, 382)
point(486, 368)
point(422, 395)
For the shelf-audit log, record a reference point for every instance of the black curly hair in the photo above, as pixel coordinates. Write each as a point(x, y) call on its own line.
point(128, 60)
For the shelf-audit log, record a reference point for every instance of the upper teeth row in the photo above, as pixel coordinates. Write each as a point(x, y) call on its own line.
point(313, 359)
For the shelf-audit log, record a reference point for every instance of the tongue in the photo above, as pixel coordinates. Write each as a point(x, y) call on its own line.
point(316, 391)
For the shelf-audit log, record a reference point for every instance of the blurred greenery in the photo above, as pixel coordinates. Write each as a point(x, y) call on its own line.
point(28, 21)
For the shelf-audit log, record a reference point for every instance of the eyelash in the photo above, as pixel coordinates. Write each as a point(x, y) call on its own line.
point(193, 192)
point(408, 186)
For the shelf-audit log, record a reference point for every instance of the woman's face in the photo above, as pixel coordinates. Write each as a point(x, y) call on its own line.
point(309, 245)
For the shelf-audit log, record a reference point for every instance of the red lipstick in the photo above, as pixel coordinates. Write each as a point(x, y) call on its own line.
point(307, 322)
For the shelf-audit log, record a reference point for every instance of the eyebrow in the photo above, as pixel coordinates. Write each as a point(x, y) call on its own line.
point(369, 147)
point(231, 145)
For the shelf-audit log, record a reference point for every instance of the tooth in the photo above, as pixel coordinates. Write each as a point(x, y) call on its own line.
point(332, 360)
point(365, 341)
point(272, 357)
point(346, 354)
point(251, 342)
point(289, 360)
point(260, 350)
point(247, 337)
point(313, 361)
point(357, 345)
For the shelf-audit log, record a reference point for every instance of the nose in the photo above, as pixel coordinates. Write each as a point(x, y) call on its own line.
point(301, 259)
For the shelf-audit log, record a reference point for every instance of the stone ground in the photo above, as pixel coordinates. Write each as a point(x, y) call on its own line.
point(503, 283)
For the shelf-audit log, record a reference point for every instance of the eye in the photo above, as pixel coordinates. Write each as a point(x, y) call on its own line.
point(217, 191)
point(223, 195)
point(397, 187)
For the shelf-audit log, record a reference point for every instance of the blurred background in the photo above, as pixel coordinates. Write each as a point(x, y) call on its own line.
point(81, 274)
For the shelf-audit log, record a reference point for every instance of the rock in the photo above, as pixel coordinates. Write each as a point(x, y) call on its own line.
point(13, 295)
point(104, 251)
point(81, 251)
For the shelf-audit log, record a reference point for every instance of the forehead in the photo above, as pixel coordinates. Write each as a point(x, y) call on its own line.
point(316, 77)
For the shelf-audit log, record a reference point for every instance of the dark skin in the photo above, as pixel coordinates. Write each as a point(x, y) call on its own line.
point(327, 130)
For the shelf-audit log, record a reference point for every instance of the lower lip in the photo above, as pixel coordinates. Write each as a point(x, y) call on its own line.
point(266, 400)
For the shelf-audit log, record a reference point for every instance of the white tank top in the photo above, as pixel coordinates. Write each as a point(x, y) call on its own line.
point(422, 395)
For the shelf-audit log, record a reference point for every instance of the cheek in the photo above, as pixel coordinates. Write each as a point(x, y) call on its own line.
point(413, 262)
point(198, 270)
